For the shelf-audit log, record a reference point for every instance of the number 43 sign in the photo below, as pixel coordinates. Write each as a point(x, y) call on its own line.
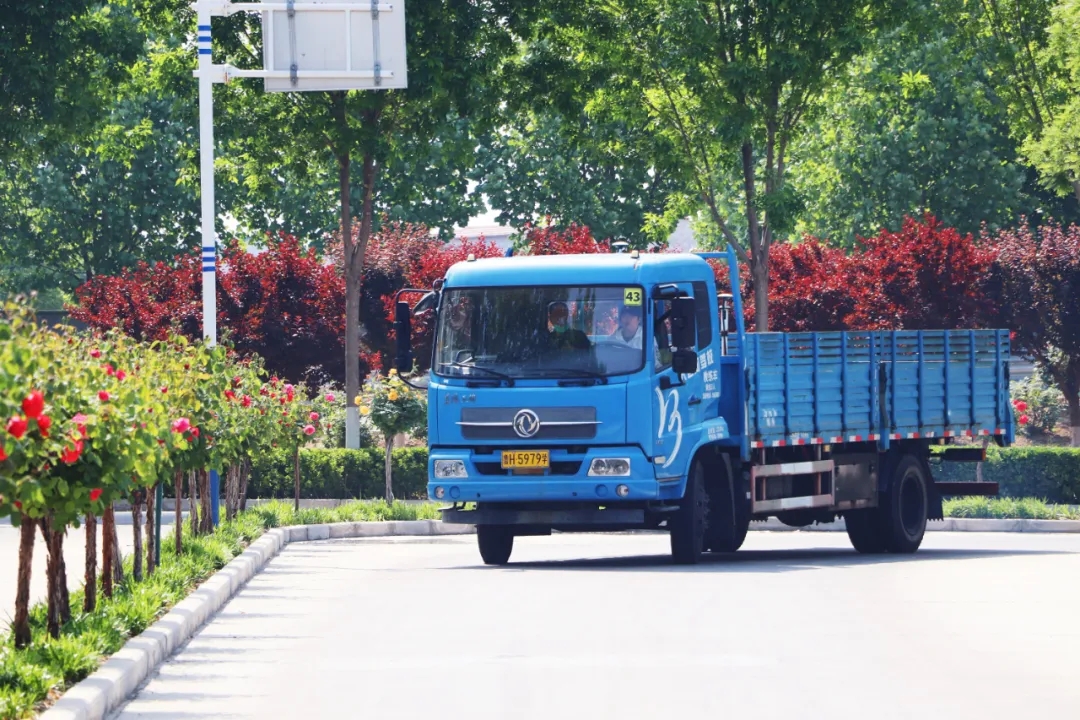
point(632, 296)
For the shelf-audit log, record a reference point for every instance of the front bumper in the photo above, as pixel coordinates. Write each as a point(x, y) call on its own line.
point(568, 479)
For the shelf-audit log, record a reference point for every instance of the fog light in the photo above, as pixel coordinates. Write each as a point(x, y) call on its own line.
point(610, 467)
point(455, 493)
point(450, 469)
point(440, 493)
point(622, 490)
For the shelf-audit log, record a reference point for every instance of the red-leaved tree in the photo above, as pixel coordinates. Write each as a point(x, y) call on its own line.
point(925, 276)
point(572, 240)
point(1035, 282)
point(285, 303)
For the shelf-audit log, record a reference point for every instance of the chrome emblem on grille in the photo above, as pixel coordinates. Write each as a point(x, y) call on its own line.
point(526, 423)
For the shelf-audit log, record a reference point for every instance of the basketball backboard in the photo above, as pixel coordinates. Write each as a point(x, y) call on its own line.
point(339, 45)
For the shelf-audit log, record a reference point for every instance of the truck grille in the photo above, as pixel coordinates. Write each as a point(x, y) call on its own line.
point(518, 423)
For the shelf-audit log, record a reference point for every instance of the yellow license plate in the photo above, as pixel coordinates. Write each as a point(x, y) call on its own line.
point(526, 460)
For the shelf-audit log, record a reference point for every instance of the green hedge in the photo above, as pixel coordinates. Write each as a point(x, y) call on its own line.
point(339, 473)
point(1050, 473)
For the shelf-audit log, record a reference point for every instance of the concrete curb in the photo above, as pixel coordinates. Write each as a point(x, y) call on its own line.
point(118, 677)
point(946, 525)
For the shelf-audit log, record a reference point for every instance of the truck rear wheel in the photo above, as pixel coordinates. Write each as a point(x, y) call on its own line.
point(906, 506)
point(496, 543)
point(689, 521)
point(864, 530)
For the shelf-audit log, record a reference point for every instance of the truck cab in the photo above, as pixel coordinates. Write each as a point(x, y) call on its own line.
point(617, 391)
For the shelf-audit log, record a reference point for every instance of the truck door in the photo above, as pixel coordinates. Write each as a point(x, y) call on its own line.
point(678, 401)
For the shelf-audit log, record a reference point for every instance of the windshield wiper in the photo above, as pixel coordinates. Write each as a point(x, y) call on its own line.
point(494, 373)
point(577, 374)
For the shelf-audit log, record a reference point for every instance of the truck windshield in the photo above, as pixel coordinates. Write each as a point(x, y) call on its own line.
point(537, 332)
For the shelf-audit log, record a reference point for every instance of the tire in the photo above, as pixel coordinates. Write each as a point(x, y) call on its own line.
point(864, 530)
point(496, 543)
point(688, 523)
point(729, 513)
point(906, 506)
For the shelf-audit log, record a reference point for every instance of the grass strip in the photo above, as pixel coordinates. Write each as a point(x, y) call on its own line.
point(1008, 509)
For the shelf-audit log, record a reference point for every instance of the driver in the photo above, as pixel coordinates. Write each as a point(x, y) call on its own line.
point(629, 331)
point(562, 336)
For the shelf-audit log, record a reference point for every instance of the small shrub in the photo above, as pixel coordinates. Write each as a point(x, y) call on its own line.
point(1045, 405)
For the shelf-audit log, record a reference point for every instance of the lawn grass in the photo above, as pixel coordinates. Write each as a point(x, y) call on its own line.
point(32, 678)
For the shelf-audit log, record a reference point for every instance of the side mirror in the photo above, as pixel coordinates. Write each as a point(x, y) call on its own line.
point(403, 331)
point(430, 301)
point(683, 323)
point(684, 362)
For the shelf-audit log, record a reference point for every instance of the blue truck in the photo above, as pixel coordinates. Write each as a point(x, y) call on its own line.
point(620, 391)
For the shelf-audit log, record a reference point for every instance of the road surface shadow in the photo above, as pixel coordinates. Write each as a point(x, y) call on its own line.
point(768, 561)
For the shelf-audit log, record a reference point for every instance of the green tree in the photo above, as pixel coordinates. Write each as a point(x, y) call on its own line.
point(103, 201)
point(1056, 151)
point(727, 85)
point(912, 127)
point(603, 175)
point(57, 61)
point(1036, 76)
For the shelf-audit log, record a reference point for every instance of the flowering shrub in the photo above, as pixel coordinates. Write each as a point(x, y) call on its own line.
point(393, 408)
point(90, 419)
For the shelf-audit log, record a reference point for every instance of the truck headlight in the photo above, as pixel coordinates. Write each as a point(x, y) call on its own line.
point(610, 467)
point(450, 469)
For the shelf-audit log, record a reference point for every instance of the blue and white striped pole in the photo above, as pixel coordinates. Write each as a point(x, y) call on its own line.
point(206, 179)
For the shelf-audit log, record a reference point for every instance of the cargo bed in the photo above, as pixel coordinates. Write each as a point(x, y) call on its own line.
point(878, 386)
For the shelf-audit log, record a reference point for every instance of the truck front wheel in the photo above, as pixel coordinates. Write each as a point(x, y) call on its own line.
point(496, 543)
point(688, 523)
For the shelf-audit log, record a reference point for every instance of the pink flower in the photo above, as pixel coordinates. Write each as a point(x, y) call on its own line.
point(309, 429)
point(1021, 406)
point(313, 416)
point(1023, 419)
point(330, 397)
point(181, 425)
point(103, 396)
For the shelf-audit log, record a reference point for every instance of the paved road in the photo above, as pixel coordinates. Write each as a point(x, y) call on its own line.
point(794, 626)
point(74, 556)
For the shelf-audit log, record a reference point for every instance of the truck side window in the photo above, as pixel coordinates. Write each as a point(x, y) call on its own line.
point(662, 334)
point(703, 305)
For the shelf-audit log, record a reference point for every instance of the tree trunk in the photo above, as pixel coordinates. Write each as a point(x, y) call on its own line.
point(136, 529)
point(388, 469)
point(352, 278)
point(21, 623)
point(1074, 418)
point(178, 524)
point(296, 478)
point(150, 540)
point(232, 491)
point(62, 586)
point(90, 578)
point(52, 577)
point(193, 502)
point(118, 554)
point(107, 522)
point(206, 517)
point(1076, 191)
point(245, 475)
point(760, 273)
